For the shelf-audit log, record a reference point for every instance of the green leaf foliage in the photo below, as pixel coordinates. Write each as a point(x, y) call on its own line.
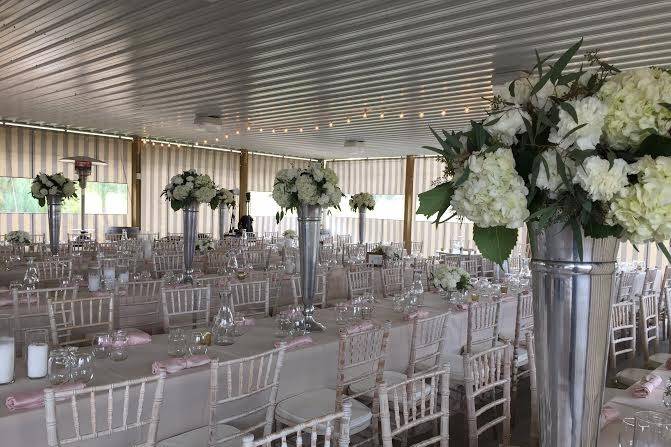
point(495, 243)
point(655, 146)
point(664, 250)
point(436, 200)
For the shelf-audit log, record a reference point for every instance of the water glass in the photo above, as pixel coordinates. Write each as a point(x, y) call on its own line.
point(176, 343)
point(283, 324)
point(60, 366)
point(82, 367)
point(119, 350)
point(101, 345)
point(650, 429)
point(197, 343)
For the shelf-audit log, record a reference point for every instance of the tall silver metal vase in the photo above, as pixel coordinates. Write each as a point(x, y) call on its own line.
point(362, 225)
point(224, 221)
point(309, 218)
point(189, 239)
point(572, 302)
point(54, 215)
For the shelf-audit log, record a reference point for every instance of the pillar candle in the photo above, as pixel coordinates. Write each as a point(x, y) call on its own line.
point(38, 357)
point(6, 359)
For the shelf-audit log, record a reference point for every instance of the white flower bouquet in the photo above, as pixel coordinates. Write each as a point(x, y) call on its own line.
point(590, 149)
point(51, 185)
point(313, 185)
point(388, 252)
point(224, 197)
point(18, 237)
point(204, 244)
point(290, 234)
point(189, 187)
point(362, 200)
point(451, 279)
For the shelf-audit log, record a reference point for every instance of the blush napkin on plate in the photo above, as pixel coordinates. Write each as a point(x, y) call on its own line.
point(416, 314)
point(35, 399)
point(645, 386)
point(296, 343)
point(177, 364)
point(136, 337)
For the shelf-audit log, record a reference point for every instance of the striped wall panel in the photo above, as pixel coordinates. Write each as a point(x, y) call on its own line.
point(386, 176)
point(262, 170)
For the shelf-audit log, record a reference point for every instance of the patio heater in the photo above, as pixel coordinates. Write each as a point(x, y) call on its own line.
point(83, 165)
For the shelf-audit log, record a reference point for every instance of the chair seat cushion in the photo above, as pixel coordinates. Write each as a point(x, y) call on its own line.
point(391, 378)
point(629, 376)
point(311, 404)
point(199, 437)
point(660, 357)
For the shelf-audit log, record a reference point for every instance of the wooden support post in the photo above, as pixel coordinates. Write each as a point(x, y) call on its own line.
point(244, 182)
point(136, 182)
point(409, 209)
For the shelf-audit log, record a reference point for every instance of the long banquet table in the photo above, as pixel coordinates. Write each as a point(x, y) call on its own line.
point(185, 402)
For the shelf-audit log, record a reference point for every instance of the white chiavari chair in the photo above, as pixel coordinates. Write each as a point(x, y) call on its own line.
point(487, 376)
point(31, 309)
point(275, 278)
point(426, 344)
point(449, 259)
point(359, 282)
point(361, 357)
point(533, 388)
point(483, 326)
point(84, 404)
point(320, 289)
point(83, 247)
point(666, 296)
point(487, 268)
point(54, 270)
point(270, 234)
point(515, 264)
point(185, 307)
point(471, 266)
point(167, 246)
point(253, 380)
point(139, 305)
point(257, 259)
point(343, 239)
point(649, 325)
point(407, 416)
point(72, 320)
point(622, 331)
point(174, 236)
point(328, 254)
point(354, 251)
point(664, 315)
point(217, 284)
point(167, 263)
point(416, 248)
point(252, 297)
point(625, 286)
point(334, 425)
point(109, 249)
point(204, 236)
point(524, 323)
point(218, 260)
point(392, 280)
point(649, 281)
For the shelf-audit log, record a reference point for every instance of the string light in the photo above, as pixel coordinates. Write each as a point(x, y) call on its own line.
point(216, 140)
point(349, 120)
point(381, 115)
point(273, 131)
point(300, 130)
point(467, 109)
point(226, 136)
point(331, 124)
point(249, 128)
point(421, 114)
point(316, 127)
point(401, 115)
point(443, 113)
point(365, 115)
point(204, 141)
point(260, 129)
point(286, 130)
point(237, 132)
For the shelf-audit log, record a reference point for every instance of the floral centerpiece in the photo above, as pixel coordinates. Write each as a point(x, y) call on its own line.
point(451, 279)
point(388, 252)
point(56, 185)
point(190, 187)
point(18, 237)
point(290, 234)
point(204, 244)
point(362, 200)
point(224, 197)
point(313, 185)
point(588, 149)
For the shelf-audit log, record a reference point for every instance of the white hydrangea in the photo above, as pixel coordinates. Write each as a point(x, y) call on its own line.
point(227, 197)
point(43, 178)
point(362, 200)
point(494, 194)
point(59, 178)
point(281, 196)
point(35, 189)
point(312, 185)
point(181, 192)
point(204, 194)
point(307, 190)
point(591, 113)
point(633, 99)
point(69, 189)
point(176, 180)
point(599, 179)
point(450, 278)
point(644, 209)
point(18, 237)
point(553, 183)
point(509, 124)
point(290, 234)
point(203, 180)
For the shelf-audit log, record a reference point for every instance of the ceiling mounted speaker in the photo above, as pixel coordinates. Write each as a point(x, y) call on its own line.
point(207, 122)
point(355, 143)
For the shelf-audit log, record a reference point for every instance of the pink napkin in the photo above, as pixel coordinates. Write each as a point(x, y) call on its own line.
point(668, 363)
point(174, 365)
point(360, 327)
point(646, 385)
point(416, 314)
point(608, 415)
point(135, 337)
point(35, 399)
point(296, 343)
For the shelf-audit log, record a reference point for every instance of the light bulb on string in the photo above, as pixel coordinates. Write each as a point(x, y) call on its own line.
point(401, 115)
point(421, 114)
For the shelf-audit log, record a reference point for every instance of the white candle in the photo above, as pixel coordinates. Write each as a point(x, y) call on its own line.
point(123, 277)
point(38, 356)
point(110, 274)
point(94, 283)
point(6, 359)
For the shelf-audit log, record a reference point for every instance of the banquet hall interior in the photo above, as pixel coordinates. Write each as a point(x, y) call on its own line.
point(308, 222)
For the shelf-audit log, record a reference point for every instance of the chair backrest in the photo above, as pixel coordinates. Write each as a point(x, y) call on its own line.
point(218, 260)
point(130, 414)
point(392, 280)
point(649, 280)
point(533, 388)
point(416, 247)
point(488, 372)
point(515, 264)
point(70, 320)
point(252, 297)
point(255, 379)
point(139, 305)
point(625, 286)
point(483, 325)
point(649, 319)
point(86, 246)
point(343, 239)
point(622, 330)
point(186, 307)
point(31, 309)
point(359, 282)
point(328, 425)
point(426, 343)
point(524, 318)
point(408, 414)
point(487, 268)
point(54, 269)
point(167, 246)
point(164, 263)
point(471, 266)
point(354, 250)
point(320, 289)
point(258, 259)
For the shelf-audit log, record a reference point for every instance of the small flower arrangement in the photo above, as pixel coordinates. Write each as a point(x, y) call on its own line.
point(190, 187)
point(204, 244)
point(18, 237)
point(224, 197)
point(388, 252)
point(290, 234)
point(451, 279)
point(51, 185)
point(313, 185)
point(589, 149)
point(362, 200)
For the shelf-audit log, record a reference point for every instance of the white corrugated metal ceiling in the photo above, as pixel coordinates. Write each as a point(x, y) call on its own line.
point(147, 67)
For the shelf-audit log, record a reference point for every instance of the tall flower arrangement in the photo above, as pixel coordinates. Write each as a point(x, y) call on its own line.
point(224, 197)
point(589, 148)
point(189, 187)
point(313, 185)
point(362, 200)
point(51, 185)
